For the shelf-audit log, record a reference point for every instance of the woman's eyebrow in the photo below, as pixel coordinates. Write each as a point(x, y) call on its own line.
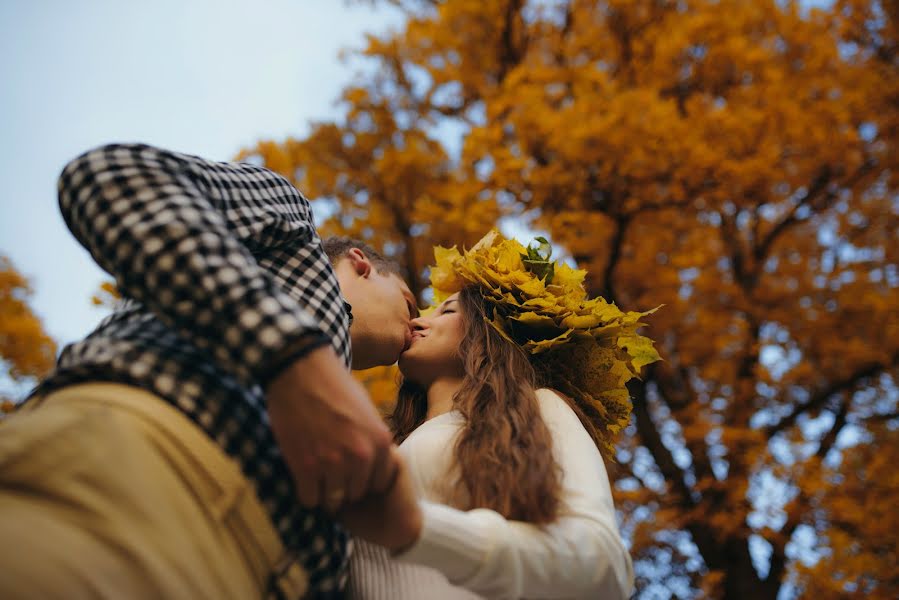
point(448, 302)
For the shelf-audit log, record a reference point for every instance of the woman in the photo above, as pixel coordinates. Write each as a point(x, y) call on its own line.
point(513, 489)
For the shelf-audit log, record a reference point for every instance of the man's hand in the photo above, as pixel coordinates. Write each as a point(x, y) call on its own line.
point(333, 439)
point(392, 519)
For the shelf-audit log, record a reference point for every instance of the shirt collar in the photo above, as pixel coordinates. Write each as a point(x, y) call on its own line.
point(349, 310)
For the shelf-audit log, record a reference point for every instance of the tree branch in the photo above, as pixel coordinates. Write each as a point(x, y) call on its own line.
point(653, 206)
point(818, 400)
point(879, 418)
point(614, 256)
point(703, 536)
point(732, 241)
point(511, 53)
point(812, 195)
point(778, 564)
point(839, 422)
point(818, 185)
point(652, 440)
point(677, 393)
point(797, 508)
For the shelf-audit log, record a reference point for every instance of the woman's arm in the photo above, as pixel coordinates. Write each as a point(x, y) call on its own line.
point(580, 555)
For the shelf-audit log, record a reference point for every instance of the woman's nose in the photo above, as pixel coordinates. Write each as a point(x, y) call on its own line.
point(418, 324)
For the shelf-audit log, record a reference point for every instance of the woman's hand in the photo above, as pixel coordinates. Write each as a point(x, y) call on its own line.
point(392, 519)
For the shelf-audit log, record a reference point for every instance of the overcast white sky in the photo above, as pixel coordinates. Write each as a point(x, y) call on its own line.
point(206, 77)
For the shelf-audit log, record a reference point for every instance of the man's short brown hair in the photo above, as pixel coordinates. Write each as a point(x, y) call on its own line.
point(337, 247)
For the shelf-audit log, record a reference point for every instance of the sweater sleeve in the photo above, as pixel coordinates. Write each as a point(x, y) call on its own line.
point(580, 555)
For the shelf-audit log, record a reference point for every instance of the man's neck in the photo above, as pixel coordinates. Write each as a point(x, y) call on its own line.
point(440, 395)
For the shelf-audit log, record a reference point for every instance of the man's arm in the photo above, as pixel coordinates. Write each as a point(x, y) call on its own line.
point(180, 235)
point(176, 231)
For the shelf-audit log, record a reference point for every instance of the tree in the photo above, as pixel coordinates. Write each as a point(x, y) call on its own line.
point(732, 160)
point(107, 296)
point(859, 544)
point(26, 351)
point(381, 383)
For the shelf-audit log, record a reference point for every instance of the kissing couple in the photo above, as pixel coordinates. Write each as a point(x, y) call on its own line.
point(207, 439)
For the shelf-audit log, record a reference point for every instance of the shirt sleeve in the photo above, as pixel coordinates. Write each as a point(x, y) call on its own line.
point(580, 555)
point(181, 235)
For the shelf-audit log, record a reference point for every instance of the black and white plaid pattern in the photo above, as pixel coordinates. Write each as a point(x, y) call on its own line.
point(226, 283)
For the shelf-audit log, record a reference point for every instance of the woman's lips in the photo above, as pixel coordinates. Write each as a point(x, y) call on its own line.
point(412, 339)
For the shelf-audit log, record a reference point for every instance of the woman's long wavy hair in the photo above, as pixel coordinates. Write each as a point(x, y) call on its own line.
point(503, 455)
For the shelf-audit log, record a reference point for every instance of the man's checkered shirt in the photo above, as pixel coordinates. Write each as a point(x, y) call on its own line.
point(226, 283)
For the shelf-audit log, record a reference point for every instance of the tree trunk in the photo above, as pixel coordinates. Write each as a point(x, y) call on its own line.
point(741, 579)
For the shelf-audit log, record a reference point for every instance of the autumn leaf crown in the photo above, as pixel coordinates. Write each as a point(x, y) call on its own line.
point(584, 347)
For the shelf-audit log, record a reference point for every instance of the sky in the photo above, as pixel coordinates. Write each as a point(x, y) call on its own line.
point(206, 77)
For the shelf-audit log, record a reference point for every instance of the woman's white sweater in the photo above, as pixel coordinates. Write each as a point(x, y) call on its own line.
point(480, 554)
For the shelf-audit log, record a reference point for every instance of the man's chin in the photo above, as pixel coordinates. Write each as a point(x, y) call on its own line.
point(392, 354)
point(400, 353)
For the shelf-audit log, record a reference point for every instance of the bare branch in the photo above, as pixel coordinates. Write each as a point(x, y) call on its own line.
point(654, 206)
point(677, 393)
point(703, 536)
point(731, 239)
point(818, 399)
point(652, 440)
point(511, 52)
point(608, 275)
point(818, 185)
point(839, 422)
point(797, 508)
point(879, 418)
point(814, 195)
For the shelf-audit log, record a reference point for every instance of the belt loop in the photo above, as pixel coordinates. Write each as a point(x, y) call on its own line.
point(229, 501)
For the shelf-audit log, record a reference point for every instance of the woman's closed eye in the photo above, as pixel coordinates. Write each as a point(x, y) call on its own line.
point(448, 306)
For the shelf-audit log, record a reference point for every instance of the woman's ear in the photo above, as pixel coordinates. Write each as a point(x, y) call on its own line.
point(361, 264)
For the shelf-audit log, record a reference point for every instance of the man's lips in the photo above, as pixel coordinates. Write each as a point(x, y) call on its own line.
point(408, 343)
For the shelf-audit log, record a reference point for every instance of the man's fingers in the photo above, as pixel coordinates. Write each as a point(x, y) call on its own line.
point(334, 489)
point(308, 487)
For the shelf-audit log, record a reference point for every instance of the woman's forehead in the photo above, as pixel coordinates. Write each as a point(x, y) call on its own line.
point(451, 299)
point(434, 308)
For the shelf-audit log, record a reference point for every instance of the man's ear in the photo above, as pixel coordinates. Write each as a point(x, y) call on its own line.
point(361, 264)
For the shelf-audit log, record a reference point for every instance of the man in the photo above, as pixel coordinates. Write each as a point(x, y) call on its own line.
point(198, 441)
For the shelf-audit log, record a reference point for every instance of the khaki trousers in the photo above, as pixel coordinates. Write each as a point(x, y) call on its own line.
point(107, 491)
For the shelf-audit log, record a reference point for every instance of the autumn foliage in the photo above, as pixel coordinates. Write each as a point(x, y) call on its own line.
point(26, 351)
point(735, 161)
